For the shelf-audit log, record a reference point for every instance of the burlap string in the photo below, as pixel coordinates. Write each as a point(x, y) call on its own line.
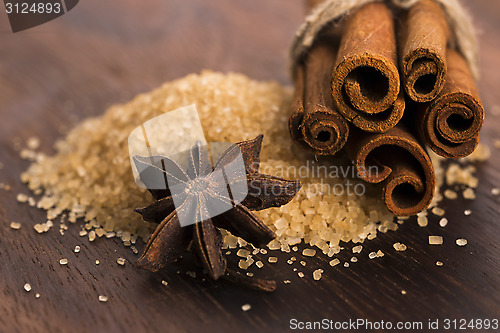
point(333, 11)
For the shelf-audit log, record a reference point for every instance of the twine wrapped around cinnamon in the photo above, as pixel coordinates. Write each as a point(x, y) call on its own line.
point(315, 122)
point(365, 83)
point(423, 50)
point(331, 12)
point(451, 123)
point(405, 173)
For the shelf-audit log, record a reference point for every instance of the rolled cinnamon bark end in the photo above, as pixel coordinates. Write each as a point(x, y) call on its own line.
point(365, 78)
point(451, 123)
point(402, 168)
point(323, 128)
point(314, 122)
point(425, 37)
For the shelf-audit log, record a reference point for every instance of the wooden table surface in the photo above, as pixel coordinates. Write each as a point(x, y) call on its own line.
point(105, 52)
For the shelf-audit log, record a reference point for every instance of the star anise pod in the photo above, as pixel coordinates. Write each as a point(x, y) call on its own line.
point(201, 188)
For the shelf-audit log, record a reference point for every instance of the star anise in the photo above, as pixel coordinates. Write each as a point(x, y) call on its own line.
point(201, 187)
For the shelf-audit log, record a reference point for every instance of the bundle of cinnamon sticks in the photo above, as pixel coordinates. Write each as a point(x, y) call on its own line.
point(383, 87)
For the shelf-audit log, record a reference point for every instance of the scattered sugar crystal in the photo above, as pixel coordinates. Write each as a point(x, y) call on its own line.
point(263, 251)
point(346, 264)
point(272, 260)
point(317, 274)
point(100, 232)
point(274, 245)
point(443, 222)
point(461, 242)
point(243, 253)
point(27, 287)
point(403, 292)
point(300, 274)
point(399, 246)
point(63, 261)
point(354, 259)
point(295, 249)
point(259, 264)
point(281, 223)
point(92, 235)
point(309, 252)
point(357, 249)
point(97, 261)
point(163, 282)
point(120, 261)
point(289, 262)
point(435, 240)
point(82, 233)
point(287, 282)
point(230, 241)
point(450, 194)
point(467, 212)
point(439, 263)
point(303, 263)
point(37, 295)
point(334, 262)
point(380, 254)
point(15, 225)
point(293, 259)
point(103, 298)
point(246, 307)
point(422, 221)
point(495, 191)
point(77, 249)
point(21, 197)
point(372, 255)
point(33, 143)
point(469, 194)
point(244, 264)
point(40, 228)
point(255, 251)
point(438, 211)
point(242, 242)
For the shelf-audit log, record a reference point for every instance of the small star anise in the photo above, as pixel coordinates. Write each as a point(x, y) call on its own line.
point(201, 186)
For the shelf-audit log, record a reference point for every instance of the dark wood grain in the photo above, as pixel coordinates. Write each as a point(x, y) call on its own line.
point(105, 52)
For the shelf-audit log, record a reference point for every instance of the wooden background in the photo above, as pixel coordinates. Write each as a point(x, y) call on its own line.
point(104, 52)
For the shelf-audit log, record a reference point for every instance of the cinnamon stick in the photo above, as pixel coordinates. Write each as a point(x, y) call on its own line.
point(297, 108)
point(423, 52)
point(365, 79)
point(405, 173)
point(451, 123)
point(322, 128)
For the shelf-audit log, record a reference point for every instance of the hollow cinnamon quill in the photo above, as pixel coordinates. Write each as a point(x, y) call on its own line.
point(404, 170)
point(424, 39)
point(365, 79)
point(451, 123)
point(322, 129)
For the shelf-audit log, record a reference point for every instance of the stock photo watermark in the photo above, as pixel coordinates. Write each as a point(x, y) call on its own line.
point(27, 14)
